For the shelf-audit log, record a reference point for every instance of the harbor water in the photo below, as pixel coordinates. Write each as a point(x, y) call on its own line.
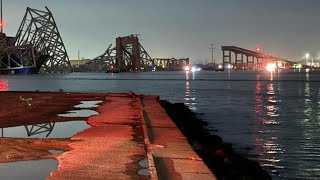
point(273, 118)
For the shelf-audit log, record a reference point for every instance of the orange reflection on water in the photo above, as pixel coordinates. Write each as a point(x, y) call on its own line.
point(4, 85)
point(266, 112)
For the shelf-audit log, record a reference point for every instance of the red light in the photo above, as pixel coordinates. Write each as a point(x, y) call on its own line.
point(2, 23)
point(3, 85)
point(258, 49)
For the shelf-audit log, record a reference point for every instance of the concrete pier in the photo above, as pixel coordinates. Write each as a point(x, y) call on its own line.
point(132, 137)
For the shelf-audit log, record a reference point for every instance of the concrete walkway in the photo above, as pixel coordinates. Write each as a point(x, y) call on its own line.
point(130, 129)
point(173, 157)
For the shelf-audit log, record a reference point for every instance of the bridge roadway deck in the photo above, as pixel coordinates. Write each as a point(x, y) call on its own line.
point(127, 129)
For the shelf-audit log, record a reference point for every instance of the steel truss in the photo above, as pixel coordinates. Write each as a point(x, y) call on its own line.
point(16, 57)
point(130, 54)
point(127, 55)
point(100, 63)
point(39, 29)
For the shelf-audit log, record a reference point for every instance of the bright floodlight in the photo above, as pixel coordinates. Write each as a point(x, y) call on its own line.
point(270, 67)
point(307, 55)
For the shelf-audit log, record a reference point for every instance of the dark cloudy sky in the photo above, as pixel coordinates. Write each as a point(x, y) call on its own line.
point(181, 28)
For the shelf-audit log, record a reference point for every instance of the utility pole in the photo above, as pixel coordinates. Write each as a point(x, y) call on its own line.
point(78, 58)
point(1, 19)
point(212, 54)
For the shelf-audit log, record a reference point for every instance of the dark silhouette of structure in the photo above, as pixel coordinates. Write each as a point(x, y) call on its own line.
point(243, 59)
point(130, 55)
point(36, 47)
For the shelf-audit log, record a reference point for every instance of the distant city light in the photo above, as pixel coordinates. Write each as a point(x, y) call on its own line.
point(271, 67)
point(307, 69)
point(229, 66)
point(279, 64)
point(307, 58)
point(187, 68)
point(154, 68)
point(193, 69)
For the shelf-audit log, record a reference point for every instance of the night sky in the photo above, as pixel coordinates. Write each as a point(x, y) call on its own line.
point(181, 28)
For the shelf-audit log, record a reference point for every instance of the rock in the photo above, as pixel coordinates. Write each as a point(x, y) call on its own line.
point(219, 157)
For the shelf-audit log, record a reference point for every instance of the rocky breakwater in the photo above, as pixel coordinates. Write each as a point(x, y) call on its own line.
point(220, 157)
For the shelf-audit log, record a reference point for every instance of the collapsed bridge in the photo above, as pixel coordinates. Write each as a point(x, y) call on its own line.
point(130, 55)
point(244, 59)
point(36, 47)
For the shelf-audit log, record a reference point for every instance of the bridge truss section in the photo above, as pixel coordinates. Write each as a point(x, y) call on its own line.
point(16, 57)
point(102, 62)
point(127, 55)
point(131, 55)
point(38, 28)
point(244, 59)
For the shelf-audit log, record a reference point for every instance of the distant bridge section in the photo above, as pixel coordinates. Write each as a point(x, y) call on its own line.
point(130, 55)
point(127, 55)
point(244, 59)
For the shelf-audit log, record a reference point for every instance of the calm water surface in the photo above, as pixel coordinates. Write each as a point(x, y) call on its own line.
point(271, 118)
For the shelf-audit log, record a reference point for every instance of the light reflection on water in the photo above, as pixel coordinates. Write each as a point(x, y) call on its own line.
point(39, 169)
point(189, 99)
point(288, 145)
point(45, 130)
point(266, 113)
point(273, 119)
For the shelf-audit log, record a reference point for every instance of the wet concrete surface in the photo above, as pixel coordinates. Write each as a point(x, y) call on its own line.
point(126, 129)
point(38, 169)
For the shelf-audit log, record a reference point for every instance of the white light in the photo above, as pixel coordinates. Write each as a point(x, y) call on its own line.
point(307, 69)
point(187, 68)
point(270, 67)
point(307, 55)
point(229, 66)
point(199, 69)
point(299, 66)
point(279, 65)
point(220, 66)
point(193, 69)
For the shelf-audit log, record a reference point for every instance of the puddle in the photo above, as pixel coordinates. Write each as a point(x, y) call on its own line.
point(79, 113)
point(144, 163)
point(50, 130)
point(39, 169)
point(144, 172)
point(54, 151)
point(88, 104)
